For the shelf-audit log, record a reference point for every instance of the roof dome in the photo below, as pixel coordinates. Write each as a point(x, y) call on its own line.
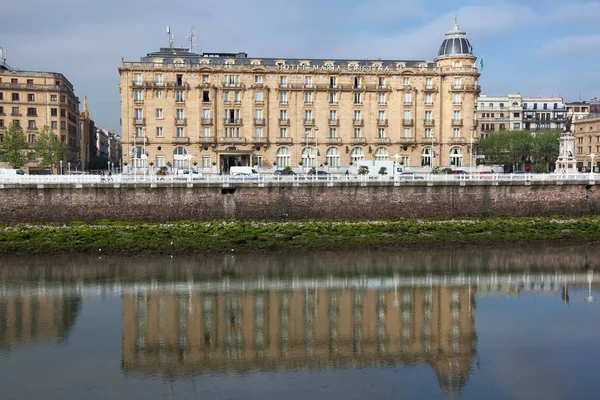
point(456, 43)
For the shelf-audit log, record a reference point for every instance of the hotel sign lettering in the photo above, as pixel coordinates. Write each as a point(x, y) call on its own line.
point(333, 68)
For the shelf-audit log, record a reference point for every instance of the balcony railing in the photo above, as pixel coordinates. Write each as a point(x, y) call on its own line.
point(206, 121)
point(284, 122)
point(309, 121)
point(232, 121)
point(457, 140)
point(283, 140)
point(259, 121)
point(206, 139)
point(465, 88)
point(382, 122)
point(457, 122)
point(408, 140)
point(358, 140)
point(232, 85)
point(16, 114)
point(430, 88)
point(408, 122)
point(334, 122)
point(139, 121)
point(383, 140)
point(358, 122)
point(259, 140)
point(180, 121)
point(429, 122)
point(232, 140)
point(181, 140)
point(333, 140)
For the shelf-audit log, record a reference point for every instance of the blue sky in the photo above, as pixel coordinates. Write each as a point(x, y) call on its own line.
point(532, 47)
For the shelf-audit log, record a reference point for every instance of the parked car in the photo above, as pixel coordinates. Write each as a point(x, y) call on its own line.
point(319, 174)
point(459, 172)
point(283, 172)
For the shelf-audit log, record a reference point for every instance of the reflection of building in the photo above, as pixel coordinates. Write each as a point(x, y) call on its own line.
point(231, 109)
point(177, 334)
point(34, 318)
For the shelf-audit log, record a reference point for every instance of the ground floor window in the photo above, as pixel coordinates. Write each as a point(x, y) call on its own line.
point(308, 156)
point(357, 154)
point(456, 157)
point(160, 161)
point(283, 157)
point(426, 157)
point(381, 154)
point(333, 157)
point(206, 162)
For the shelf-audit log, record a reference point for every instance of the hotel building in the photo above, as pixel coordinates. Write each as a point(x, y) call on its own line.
point(225, 109)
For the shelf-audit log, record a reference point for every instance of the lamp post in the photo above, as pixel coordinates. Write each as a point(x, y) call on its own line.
point(396, 156)
point(108, 166)
point(69, 168)
point(432, 151)
point(471, 153)
point(316, 149)
point(592, 156)
point(60, 166)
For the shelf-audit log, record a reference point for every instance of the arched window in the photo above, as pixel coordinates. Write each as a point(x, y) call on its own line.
point(456, 157)
point(357, 154)
point(426, 157)
point(308, 157)
point(283, 157)
point(180, 159)
point(381, 154)
point(333, 157)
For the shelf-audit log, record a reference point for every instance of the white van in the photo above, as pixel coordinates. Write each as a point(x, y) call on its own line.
point(243, 171)
point(10, 171)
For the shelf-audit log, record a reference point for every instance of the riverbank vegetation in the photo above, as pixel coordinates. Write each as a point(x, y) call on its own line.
point(230, 235)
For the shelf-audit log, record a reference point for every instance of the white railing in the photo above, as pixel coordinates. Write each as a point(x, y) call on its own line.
point(127, 179)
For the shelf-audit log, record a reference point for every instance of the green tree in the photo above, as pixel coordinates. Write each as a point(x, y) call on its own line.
point(546, 148)
point(14, 146)
point(517, 147)
point(49, 148)
point(363, 170)
point(383, 171)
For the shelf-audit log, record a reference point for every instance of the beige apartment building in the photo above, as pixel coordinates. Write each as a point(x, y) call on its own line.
point(170, 334)
point(38, 99)
point(587, 142)
point(226, 109)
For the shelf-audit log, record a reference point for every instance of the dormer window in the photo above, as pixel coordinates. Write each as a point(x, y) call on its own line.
point(205, 61)
point(229, 62)
point(304, 63)
point(255, 62)
point(280, 63)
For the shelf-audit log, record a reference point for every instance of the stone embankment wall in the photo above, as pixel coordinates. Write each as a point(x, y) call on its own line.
point(318, 200)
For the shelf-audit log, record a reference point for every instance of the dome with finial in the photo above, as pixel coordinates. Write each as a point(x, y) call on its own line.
point(456, 43)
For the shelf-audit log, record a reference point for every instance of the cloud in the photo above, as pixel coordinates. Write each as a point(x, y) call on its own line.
point(581, 45)
point(577, 12)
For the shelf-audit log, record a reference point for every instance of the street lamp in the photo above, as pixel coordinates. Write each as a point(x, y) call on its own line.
point(592, 156)
point(69, 168)
point(432, 151)
point(316, 149)
point(60, 166)
point(396, 156)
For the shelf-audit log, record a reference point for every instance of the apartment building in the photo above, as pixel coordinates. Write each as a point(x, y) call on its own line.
point(543, 113)
point(37, 99)
point(587, 142)
point(226, 109)
point(578, 109)
point(499, 113)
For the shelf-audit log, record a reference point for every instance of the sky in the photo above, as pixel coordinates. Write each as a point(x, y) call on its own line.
point(532, 47)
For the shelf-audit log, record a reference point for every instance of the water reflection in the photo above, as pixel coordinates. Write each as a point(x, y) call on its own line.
point(199, 317)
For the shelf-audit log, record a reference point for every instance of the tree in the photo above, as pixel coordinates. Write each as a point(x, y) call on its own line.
point(546, 148)
point(49, 148)
point(14, 146)
point(363, 170)
point(383, 171)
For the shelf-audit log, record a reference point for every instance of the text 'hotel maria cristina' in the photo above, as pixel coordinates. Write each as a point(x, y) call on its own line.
point(222, 110)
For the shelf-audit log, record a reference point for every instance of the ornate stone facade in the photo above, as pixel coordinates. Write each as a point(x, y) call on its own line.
point(223, 109)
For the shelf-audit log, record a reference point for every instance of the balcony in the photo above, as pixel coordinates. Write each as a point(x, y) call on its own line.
point(333, 140)
point(334, 122)
point(283, 140)
point(408, 122)
point(259, 140)
point(407, 103)
point(458, 140)
point(309, 122)
point(383, 88)
point(139, 121)
point(430, 88)
point(138, 101)
point(358, 140)
point(232, 140)
point(259, 121)
point(466, 88)
point(284, 103)
point(382, 122)
point(457, 122)
point(232, 85)
point(180, 121)
point(358, 122)
point(181, 140)
point(232, 121)
point(408, 140)
point(284, 122)
point(429, 122)
point(259, 102)
point(206, 139)
point(283, 85)
point(206, 121)
point(383, 140)
point(16, 114)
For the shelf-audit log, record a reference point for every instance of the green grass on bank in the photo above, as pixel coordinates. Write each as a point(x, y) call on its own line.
point(222, 236)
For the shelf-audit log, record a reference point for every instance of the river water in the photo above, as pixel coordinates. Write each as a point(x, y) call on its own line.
point(471, 323)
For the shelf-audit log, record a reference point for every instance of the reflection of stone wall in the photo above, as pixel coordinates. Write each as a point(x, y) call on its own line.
point(34, 318)
point(171, 334)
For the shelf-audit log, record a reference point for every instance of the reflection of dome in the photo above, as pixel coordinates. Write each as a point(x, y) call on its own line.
point(452, 383)
point(456, 43)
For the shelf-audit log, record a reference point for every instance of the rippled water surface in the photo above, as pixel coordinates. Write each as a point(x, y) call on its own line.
point(469, 323)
